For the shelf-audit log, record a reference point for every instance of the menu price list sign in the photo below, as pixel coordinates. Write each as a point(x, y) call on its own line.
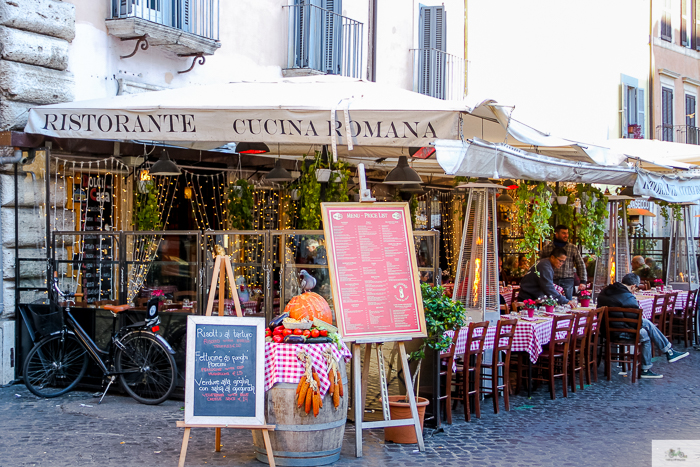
point(225, 370)
point(374, 274)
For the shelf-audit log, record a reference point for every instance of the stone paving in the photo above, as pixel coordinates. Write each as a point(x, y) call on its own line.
point(607, 424)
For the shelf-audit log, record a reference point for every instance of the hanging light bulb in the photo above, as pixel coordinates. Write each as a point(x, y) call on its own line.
point(188, 193)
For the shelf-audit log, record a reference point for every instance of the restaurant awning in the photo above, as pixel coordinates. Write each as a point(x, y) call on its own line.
point(478, 158)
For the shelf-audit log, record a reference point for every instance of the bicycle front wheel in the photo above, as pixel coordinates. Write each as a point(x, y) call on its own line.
point(55, 365)
point(147, 369)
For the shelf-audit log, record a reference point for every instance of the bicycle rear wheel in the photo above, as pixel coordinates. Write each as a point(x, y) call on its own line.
point(148, 369)
point(55, 365)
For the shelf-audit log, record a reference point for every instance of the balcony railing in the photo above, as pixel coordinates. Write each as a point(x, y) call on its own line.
point(678, 133)
point(438, 74)
point(324, 41)
point(198, 17)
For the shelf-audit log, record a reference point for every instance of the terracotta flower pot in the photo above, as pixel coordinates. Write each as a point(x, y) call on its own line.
point(401, 410)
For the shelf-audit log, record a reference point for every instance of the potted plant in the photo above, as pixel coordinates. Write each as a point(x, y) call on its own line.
point(549, 303)
point(441, 314)
point(530, 306)
point(240, 205)
point(585, 296)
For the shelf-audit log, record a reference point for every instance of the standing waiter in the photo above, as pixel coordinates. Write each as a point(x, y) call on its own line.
point(564, 276)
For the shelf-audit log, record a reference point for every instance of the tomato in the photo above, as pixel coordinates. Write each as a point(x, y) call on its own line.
point(307, 333)
point(323, 333)
point(268, 332)
point(286, 332)
point(298, 332)
point(277, 338)
point(315, 333)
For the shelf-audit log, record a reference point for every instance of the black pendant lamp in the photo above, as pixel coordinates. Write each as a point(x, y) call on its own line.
point(279, 173)
point(403, 174)
point(164, 166)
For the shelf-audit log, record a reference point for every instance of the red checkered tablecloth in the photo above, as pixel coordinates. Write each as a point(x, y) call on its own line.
point(529, 337)
point(283, 366)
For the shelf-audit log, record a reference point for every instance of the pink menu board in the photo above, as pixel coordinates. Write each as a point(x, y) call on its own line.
point(373, 270)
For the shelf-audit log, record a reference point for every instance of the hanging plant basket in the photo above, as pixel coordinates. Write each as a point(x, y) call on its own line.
point(143, 186)
point(296, 194)
point(562, 199)
point(323, 175)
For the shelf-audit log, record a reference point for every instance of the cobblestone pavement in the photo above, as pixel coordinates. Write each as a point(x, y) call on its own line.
point(607, 424)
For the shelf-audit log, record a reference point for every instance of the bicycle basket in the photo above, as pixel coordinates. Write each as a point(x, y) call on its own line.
point(46, 319)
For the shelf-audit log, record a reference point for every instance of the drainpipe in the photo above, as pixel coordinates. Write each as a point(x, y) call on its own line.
point(466, 50)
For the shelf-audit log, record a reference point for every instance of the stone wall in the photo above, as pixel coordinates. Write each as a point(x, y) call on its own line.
point(34, 47)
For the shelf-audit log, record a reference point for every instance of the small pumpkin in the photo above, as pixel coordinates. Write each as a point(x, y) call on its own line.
point(309, 305)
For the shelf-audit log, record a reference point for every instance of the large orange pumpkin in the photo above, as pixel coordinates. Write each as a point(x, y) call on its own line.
point(309, 305)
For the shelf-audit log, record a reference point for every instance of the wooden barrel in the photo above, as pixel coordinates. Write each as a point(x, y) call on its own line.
point(300, 439)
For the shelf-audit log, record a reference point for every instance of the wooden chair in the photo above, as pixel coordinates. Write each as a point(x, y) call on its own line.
point(470, 371)
point(669, 312)
point(622, 334)
point(555, 356)
point(500, 363)
point(446, 364)
point(591, 354)
point(577, 348)
point(514, 298)
point(683, 321)
point(101, 303)
point(657, 314)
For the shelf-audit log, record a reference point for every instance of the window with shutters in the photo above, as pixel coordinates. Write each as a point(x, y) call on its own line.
point(666, 27)
point(197, 17)
point(632, 106)
point(431, 55)
point(322, 40)
point(667, 114)
point(691, 130)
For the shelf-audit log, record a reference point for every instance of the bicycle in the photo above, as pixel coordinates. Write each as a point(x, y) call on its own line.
point(141, 359)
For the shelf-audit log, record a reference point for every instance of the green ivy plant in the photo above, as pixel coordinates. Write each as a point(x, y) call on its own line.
point(337, 190)
point(563, 213)
point(533, 207)
point(310, 194)
point(146, 213)
point(676, 211)
point(413, 209)
point(240, 205)
point(591, 225)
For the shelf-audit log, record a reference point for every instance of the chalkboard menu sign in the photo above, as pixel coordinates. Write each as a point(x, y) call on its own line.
point(373, 270)
point(225, 370)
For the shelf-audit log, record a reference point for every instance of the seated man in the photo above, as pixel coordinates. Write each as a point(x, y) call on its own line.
point(539, 281)
point(621, 295)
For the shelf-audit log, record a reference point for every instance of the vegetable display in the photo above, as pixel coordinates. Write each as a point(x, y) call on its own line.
point(309, 305)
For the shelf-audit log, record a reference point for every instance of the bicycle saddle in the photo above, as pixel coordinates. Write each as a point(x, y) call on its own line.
point(116, 308)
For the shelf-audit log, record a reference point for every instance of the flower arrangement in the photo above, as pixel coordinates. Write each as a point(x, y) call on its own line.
point(159, 294)
point(658, 282)
point(547, 301)
point(585, 294)
point(530, 304)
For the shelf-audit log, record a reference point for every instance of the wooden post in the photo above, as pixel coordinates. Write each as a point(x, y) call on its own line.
point(360, 377)
point(222, 271)
point(264, 428)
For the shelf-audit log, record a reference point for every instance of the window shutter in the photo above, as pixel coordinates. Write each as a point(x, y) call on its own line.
point(124, 8)
point(332, 36)
point(431, 41)
point(690, 110)
point(184, 16)
point(696, 20)
point(685, 39)
point(667, 114)
point(623, 111)
point(641, 121)
point(666, 21)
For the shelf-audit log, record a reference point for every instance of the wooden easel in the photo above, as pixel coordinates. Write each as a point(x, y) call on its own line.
point(222, 272)
point(264, 428)
point(360, 377)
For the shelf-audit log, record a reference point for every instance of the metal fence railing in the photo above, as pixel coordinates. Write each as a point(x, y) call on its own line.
point(198, 17)
point(678, 133)
point(439, 74)
point(323, 40)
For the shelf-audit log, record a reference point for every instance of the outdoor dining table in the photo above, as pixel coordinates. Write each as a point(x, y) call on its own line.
point(531, 334)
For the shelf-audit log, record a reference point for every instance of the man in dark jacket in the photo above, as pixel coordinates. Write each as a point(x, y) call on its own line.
point(621, 295)
point(538, 281)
